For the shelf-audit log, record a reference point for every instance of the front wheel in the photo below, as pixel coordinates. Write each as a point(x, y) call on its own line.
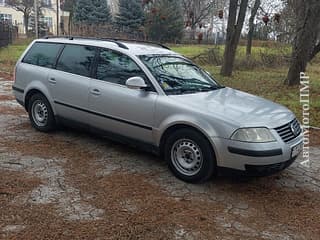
point(190, 156)
point(40, 113)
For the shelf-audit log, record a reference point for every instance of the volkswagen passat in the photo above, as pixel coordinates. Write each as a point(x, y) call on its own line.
point(150, 96)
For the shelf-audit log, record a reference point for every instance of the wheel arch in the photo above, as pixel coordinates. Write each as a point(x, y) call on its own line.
point(177, 126)
point(28, 96)
point(30, 92)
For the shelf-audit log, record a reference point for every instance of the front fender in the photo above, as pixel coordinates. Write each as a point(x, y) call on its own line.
point(182, 119)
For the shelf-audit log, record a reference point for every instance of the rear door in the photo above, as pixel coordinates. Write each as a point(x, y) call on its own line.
point(36, 64)
point(70, 82)
point(116, 108)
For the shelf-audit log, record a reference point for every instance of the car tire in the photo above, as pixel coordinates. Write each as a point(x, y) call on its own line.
point(41, 114)
point(190, 156)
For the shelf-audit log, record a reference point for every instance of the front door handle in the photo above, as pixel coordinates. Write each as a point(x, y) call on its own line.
point(95, 92)
point(52, 80)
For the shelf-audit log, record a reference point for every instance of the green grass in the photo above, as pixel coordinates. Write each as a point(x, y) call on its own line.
point(192, 50)
point(188, 51)
point(263, 81)
point(9, 55)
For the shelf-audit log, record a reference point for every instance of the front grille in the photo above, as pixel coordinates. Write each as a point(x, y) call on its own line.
point(289, 131)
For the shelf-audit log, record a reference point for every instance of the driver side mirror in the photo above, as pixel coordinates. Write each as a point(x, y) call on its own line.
point(136, 83)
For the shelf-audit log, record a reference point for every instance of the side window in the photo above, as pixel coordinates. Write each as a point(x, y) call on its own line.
point(116, 68)
point(43, 54)
point(76, 59)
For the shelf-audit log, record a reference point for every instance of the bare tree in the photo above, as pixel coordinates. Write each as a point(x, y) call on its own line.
point(269, 11)
point(197, 10)
point(254, 11)
point(235, 24)
point(306, 44)
point(24, 6)
point(287, 24)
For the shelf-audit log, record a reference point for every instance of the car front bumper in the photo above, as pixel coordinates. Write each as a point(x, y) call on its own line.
point(256, 157)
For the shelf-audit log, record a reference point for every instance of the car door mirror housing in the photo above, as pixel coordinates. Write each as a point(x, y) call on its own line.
point(136, 83)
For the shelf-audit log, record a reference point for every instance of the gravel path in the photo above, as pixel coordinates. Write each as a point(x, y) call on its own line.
point(73, 185)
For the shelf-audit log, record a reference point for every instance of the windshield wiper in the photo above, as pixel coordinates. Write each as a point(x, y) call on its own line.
point(192, 90)
point(211, 88)
point(182, 90)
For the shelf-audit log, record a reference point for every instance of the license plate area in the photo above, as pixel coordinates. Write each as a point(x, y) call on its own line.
point(295, 150)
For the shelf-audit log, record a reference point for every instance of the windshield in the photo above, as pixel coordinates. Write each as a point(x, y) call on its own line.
point(177, 75)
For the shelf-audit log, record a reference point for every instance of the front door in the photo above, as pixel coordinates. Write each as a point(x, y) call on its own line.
point(116, 108)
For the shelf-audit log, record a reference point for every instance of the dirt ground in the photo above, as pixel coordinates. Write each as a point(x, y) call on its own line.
point(73, 185)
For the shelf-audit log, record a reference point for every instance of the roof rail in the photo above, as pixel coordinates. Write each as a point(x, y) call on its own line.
point(140, 41)
point(121, 45)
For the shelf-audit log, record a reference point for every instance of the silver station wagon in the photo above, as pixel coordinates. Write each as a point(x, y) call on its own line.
point(149, 96)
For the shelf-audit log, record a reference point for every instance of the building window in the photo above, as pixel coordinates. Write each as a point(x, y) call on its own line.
point(48, 21)
point(6, 18)
point(47, 3)
point(2, 2)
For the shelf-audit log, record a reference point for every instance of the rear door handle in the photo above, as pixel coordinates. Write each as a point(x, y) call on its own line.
point(95, 92)
point(52, 80)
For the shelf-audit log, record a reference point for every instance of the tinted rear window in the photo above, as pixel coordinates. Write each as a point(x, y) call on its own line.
point(76, 59)
point(43, 54)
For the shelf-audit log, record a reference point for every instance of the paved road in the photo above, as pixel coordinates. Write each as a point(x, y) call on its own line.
point(72, 185)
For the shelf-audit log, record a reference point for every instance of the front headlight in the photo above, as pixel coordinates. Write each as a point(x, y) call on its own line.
point(257, 135)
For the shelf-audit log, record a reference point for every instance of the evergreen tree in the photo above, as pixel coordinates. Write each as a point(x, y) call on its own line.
point(164, 21)
point(42, 26)
point(130, 15)
point(101, 12)
point(92, 12)
point(82, 11)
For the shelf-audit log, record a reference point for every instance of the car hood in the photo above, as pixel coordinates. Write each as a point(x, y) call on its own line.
point(237, 107)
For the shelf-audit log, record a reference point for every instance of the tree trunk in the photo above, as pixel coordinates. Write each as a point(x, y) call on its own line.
point(233, 35)
point(305, 41)
point(251, 26)
point(315, 51)
point(26, 22)
point(70, 23)
point(298, 65)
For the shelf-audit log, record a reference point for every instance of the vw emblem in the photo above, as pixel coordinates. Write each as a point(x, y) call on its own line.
point(295, 130)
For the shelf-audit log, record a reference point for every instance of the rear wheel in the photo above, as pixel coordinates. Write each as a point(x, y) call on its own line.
point(190, 156)
point(40, 113)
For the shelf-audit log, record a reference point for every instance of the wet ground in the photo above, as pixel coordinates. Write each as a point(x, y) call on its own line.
point(73, 185)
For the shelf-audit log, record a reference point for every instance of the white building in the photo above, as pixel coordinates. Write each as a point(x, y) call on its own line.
point(9, 14)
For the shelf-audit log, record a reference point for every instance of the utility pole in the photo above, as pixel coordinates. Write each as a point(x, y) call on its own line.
point(36, 18)
point(58, 26)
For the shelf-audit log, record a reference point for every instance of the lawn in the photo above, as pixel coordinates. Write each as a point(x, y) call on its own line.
point(9, 55)
point(259, 79)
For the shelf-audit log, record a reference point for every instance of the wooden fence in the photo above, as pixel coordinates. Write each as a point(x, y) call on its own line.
point(105, 31)
point(8, 34)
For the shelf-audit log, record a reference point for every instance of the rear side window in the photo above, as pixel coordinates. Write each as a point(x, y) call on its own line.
point(43, 54)
point(77, 59)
